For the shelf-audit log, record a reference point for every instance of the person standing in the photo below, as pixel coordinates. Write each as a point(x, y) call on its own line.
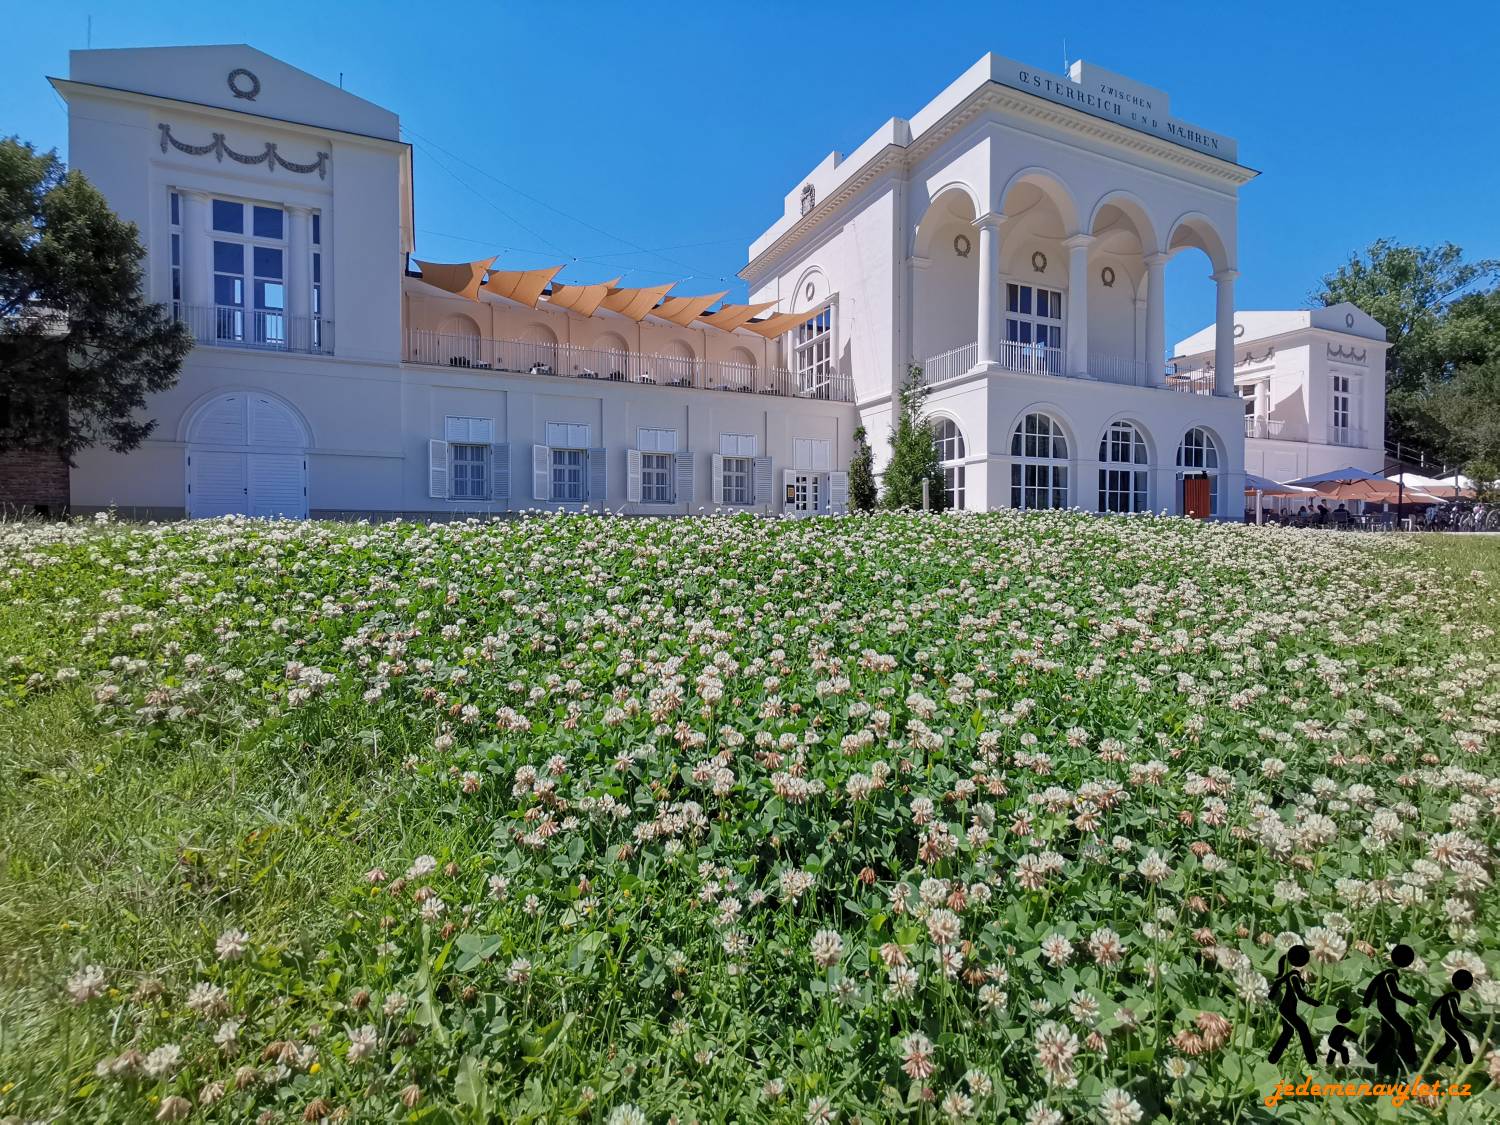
point(1445, 1009)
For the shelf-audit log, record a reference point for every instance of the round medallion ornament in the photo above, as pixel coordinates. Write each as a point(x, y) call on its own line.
point(1239, 330)
point(1107, 276)
point(961, 245)
point(1039, 262)
point(809, 291)
point(243, 84)
point(1348, 320)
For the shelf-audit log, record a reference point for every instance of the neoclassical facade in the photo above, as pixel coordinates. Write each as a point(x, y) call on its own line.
point(1312, 382)
point(1010, 238)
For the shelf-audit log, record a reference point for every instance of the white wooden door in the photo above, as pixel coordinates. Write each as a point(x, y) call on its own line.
point(278, 485)
point(217, 484)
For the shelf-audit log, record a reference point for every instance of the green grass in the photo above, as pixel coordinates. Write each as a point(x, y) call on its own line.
point(139, 846)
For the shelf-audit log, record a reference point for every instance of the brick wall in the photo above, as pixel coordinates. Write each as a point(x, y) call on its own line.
point(33, 482)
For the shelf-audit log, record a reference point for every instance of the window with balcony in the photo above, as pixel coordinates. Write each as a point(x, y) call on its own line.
point(1033, 328)
point(812, 354)
point(1039, 475)
point(1124, 484)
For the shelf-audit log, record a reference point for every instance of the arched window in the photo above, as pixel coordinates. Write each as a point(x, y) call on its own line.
point(948, 440)
point(457, 342)
point(1198, 453)
point(1039, 476)
point(1123, 480)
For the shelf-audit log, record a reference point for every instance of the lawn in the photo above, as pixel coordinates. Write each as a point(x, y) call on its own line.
point(973, 817)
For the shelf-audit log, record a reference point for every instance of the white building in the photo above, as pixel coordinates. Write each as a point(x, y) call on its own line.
point(1011, 238)
point(1313, 385)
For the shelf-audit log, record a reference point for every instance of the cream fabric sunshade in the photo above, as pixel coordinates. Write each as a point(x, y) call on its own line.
point(462, 278)
point(581, 299)
point(777, 323)
point(683, 311)
point(636, 303)
point(727, 318)
point(522, 286)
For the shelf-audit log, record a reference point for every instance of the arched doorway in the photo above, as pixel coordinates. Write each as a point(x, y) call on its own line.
point(247, 455)
point(457, 342)
point(1198, 455)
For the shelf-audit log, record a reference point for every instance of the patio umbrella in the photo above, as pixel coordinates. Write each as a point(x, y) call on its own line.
point(1268, 487)
point(1348, 472)
point(1374, 491)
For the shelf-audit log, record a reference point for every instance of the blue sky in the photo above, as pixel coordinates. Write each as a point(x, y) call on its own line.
point(658, 140)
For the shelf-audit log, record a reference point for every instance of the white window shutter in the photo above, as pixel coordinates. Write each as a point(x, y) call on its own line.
point(838, 492)
point(541, 472)
point(499, 473)
point(716, 475)
point(633, 475)
point(437, 469)
point(598, 491)
point(762, 480)
point(682, 466)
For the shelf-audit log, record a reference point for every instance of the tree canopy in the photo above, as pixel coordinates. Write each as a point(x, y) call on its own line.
point(80, 347)
point(862, 491)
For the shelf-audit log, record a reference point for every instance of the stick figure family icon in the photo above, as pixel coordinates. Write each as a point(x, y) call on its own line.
point(1395, 1048)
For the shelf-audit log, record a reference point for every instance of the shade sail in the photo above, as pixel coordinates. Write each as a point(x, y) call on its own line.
point(777, 323)
point(581, 299)
point(684, 310)
point(636, 303)
point(727, 318)
point(462, 278)
point(523, 286)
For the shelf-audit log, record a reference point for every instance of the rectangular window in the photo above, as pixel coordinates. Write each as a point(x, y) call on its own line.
point(567, 473)
point(1033, 329)
point(738, 483)
point(1342, 415)
point(656, 478)
point(268, 222)
point(1038, 487)
point(1122, 490)
point(470, 467)
point(812, 355)
point(228, 216)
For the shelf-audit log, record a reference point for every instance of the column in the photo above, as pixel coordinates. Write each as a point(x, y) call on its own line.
point(1224, 333)
point(1156, 320)
point(1076, 326)
point(299, 277)
point(197, 263)
point(988, 337)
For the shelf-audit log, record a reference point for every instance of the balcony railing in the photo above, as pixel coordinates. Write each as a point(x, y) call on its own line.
point(1117, 369)
point(230, 326)
point(1035, 359)
point(1193, 381)
point(1274, 428)
point(950, 364)
point(612, 366)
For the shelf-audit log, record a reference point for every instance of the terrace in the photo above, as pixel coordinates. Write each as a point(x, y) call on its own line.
point(1038, 359)
point(613, 365)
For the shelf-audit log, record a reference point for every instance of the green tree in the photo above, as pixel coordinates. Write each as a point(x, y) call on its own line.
point(80, 348)
point(1439, 315)
point(862, 474)
point(914, 457)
